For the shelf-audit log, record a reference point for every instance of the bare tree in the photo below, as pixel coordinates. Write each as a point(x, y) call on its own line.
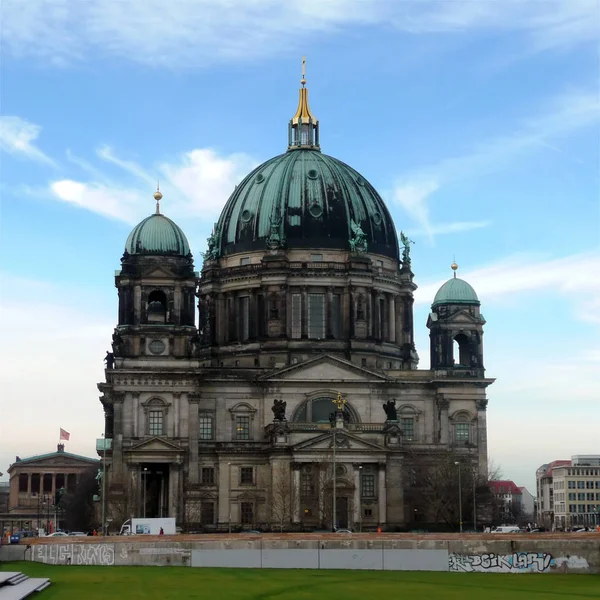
point(78, 505)
point(121, 498)
point(283, 497)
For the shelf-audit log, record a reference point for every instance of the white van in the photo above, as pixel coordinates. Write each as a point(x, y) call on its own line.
point(507, 529)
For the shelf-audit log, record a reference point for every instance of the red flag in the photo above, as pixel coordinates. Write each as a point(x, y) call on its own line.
point(64, 435)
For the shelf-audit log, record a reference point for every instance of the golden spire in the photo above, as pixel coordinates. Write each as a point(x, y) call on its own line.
point(454, 267)
point(303, 110)
point(158, 197)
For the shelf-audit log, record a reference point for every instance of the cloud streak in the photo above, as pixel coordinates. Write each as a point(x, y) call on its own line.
point(563, 115)
point(17, 136)
point(192, 33)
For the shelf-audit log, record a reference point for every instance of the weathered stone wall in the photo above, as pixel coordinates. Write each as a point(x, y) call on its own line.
point(454, 555)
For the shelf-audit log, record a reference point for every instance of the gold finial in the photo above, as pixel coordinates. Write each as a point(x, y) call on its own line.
point(454, 267)
point(158, 197)
point(303, 80)
point(339, 402)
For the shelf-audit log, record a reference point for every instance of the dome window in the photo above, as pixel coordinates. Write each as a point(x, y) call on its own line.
point(259, 178)
point(360, 181)
point(246, 216)
point(377, 219)
point(312, 174)
point(157, 307)
point(315, 210)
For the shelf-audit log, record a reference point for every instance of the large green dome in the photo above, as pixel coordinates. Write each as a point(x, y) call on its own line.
point(305, 199)
point(157, 234)
point(455, 291)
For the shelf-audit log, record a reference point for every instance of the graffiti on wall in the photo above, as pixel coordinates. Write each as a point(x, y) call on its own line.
point(517, 562)
point(74, 554)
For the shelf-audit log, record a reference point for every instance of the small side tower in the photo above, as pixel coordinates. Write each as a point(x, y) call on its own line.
point(456, 328)
point(156, 286)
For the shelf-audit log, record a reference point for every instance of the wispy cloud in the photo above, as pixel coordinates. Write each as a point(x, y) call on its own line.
point(563, 115)
point(448, 228)
point(200, 32)
point(574, 276)
point(17, 136)
point(196, 183)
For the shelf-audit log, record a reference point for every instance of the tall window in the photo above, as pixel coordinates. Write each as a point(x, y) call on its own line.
point(307, 486)
point(207, 513)
point(296, 316)
point(316, 316)
point(367, 485)
point(208, 476)
point(461, 432)
point(155, 422)
point(407, 424)
point(242, 428)
point(244, 318)
point(246, 475)
point(381, 318)
point(206, 427)
point(247, 513)
point(336, 316)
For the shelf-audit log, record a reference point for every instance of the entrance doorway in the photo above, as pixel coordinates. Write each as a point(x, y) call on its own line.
point(155, 490)
point(341, 508)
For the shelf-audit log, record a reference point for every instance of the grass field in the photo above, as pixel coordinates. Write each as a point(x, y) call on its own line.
point(133, 583)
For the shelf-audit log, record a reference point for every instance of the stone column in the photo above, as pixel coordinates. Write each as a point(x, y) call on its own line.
point(29, 485)
point(53, 487)
point(176, 413)
point(329, 313)
point(442, 406)
point(369, 315)
point(295, 492)
point(176, 317)
point(347, 315)
point(224, 489)
point(117, 449)
point(357, 502)
point(135, 403)
point(174, 491)
point(41, 484)
point(193, 433)
point(392, 318)
point(352, 311)
point(481, 406)
point(137, 304)
point(304, 312)
point(382, 495)
point(283, 331)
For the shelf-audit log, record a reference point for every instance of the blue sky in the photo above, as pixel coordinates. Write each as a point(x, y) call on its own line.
point(478, 122)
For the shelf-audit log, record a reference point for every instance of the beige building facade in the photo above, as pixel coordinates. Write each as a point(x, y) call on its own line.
point(291, 395)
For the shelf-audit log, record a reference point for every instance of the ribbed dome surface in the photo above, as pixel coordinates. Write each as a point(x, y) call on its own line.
point(315, 197)
point(157, 234)
point(455, 291)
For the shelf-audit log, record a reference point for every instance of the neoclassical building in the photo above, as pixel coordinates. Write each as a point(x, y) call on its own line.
point(284, 375)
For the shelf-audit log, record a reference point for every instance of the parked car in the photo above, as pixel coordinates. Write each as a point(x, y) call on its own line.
point(343, 531)
point(78, 534)
point(57, 534)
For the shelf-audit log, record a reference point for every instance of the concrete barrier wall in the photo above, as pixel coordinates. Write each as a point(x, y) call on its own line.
point(489, 556)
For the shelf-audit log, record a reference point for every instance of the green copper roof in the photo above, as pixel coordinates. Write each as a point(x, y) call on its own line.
point(304, 199)
point(455, 291)
point(157, 234)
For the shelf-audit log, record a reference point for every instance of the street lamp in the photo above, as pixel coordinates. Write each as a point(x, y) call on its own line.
point(360, 498)
point(103, 482)
point(460, 521)
point(229, 494)
point(145, 484)
point(339, 404)
point(474, 500)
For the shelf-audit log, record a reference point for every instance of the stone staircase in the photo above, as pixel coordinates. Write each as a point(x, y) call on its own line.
point(16, 586)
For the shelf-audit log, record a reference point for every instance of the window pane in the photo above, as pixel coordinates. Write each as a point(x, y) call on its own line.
point(155, 422)
point(244, 319)
point(247, 475)
point(321, 409)
point(296, 316)
point(247, 516)
point(316, 316)
point(368, 486)
point(208, 475)
point(242, 428)
point(462, 432)
point(206, 428)
point(307, 485)
point(408, 428)
point(336, 316)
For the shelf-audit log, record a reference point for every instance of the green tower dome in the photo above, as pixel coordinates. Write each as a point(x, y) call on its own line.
point(157, 234)
point(455, 291)
point(304, 199)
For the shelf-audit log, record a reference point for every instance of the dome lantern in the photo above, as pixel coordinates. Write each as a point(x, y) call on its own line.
point(303, 130)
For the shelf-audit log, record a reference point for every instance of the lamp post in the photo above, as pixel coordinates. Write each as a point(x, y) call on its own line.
point(145, 484)
point(474, 500)
point(360, 498)
point(229, 495)
point(103, 482)
point(339, 404)
point(460, 520)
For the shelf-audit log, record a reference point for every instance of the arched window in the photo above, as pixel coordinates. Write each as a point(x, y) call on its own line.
point(320, 410)
point(462, 428)
point(156, 410)
point(157, 307)
point(460, 353)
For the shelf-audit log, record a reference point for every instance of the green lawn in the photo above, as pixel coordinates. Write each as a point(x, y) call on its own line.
point(135, 583)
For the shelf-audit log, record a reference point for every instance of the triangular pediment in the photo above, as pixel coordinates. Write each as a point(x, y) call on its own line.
point(344, 441)
point(57, 459)
point(158, 273)
point(325, 369)
point(157, 444)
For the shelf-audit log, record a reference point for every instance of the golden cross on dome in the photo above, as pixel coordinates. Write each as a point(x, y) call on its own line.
point(339, 402)
point(303, 80)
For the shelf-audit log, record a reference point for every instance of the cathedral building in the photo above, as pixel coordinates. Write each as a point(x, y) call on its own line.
point(279, 387)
